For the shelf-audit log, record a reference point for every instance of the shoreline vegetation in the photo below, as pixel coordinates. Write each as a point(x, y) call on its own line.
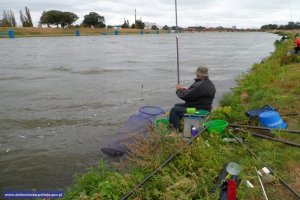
point(57, 32)
point(193, 173)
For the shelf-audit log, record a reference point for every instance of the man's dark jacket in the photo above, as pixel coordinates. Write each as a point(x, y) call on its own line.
point(199, 95)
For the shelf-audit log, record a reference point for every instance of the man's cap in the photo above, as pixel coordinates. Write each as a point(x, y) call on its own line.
point(202, 71)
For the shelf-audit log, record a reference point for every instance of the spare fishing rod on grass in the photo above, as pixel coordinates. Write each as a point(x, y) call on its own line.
point(164, 163)
point(290, 114)
point(263, 128)
point(257, 158)
point(274, 139)
point(177, 48)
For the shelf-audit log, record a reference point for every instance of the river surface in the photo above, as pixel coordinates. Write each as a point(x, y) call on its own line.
point(62, 98)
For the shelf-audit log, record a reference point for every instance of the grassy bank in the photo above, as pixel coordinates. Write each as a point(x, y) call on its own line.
point(192, 174)
point(46, 32)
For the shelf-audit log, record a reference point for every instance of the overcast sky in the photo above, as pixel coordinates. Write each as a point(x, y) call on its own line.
point(212, 13)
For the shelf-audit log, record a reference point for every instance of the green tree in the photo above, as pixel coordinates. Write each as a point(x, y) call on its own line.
point(56, 17)
point(269, 27)
point(125, 24)
point(52, 17)
point(94, 19)
point(139, 24)
point(220, 28)
point(28, 15)
point(26, 18)
point(43, 19)
point(9, 19)
point(292, 25)
point(289, 26)
point(166, 28)
point(68, 18)
point(154, 27)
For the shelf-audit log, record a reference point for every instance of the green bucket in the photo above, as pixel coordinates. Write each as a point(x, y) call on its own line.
point(217, 126)
point(162, 126)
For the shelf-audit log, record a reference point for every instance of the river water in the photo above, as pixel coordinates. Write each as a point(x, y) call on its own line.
point(62, 98)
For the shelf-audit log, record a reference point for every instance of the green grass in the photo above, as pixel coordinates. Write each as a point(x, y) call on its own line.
point(192, 173)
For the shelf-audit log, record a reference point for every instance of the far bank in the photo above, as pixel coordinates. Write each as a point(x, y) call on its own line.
point(52, 32)
point(78, 31)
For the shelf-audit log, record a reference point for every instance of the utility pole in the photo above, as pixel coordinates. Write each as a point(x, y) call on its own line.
point(135, 16)
point(291, 11)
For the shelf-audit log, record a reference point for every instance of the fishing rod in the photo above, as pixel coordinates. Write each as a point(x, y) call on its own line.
point(263, 128)
point(177, 48)
point(257, 158)
point(164, 163)
point(289, 114)
point(274, 139)
point(178, 151)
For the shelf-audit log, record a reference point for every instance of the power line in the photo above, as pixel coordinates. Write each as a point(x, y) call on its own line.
point(291, 11)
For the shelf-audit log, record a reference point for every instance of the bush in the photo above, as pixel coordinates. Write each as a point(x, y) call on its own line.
point(289, 59)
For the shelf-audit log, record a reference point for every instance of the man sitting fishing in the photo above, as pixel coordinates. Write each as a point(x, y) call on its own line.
point(199, 95)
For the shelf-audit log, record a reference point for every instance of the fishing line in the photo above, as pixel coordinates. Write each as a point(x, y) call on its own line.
point(177, 48)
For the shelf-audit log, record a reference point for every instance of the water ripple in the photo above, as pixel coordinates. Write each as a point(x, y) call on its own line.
point(61, 69)
point(10, 78)
point(40, 123)
point(100, 71)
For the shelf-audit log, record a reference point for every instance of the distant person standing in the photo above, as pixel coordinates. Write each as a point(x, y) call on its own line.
point(199, 95)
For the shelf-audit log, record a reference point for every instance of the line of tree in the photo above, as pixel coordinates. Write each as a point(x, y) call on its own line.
point(59, 18)
point(139, 24)
point(289, 26)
